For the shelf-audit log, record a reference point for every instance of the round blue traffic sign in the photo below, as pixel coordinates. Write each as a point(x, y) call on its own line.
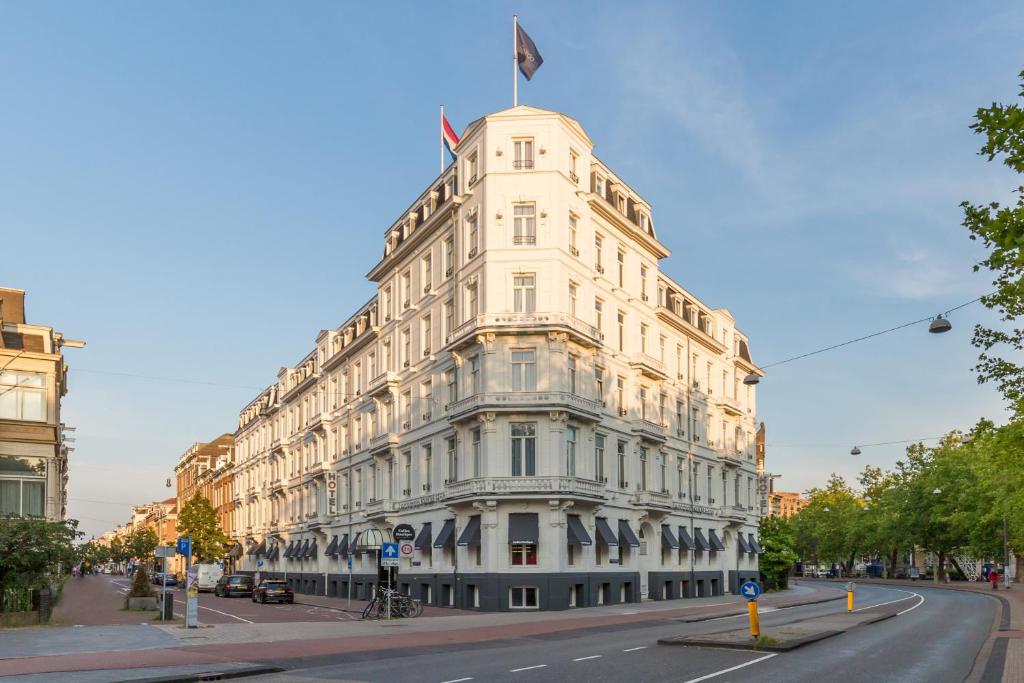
point(750, 590)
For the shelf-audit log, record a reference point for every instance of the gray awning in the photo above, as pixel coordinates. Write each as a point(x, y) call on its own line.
point(236, 551)
point(471, 534)
point(605, 534)
point(275, 551)
point(290, 550)
point(332, 548)
point(251, 549)
point(342, 549)
point(447, 536)
point(311, 550)
point(626, 535)
point(744, 547)
point(716, 543)
point(575, 532)
point(523, 527)
point(261, 549)
point(685, 540)
point(303, 553)
point(667, 539)
point(423, 539)
point(702, 543)
point(353, 545)
point(755, 546)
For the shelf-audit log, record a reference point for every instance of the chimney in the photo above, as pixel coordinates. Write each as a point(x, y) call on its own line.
point(12, 305)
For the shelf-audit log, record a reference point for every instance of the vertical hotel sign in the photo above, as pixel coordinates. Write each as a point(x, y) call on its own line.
point(332, 494)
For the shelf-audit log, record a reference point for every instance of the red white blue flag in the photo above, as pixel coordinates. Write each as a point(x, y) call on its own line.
point(448, 136)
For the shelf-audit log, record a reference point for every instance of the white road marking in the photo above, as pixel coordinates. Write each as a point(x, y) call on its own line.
point(920, 602)
point(458, 680)
point(634, 649)
point(583, 659)
point(859, 609)
point(225, 614)
point(527, 668)
point(731, 668)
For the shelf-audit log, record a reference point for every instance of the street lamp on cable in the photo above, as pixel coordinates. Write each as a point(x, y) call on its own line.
point(939, 325)
point(855, 451)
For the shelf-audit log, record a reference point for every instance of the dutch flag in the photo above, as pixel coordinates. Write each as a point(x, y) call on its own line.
point(448, 136)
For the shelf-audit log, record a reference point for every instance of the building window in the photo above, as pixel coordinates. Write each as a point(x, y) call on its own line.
point(643, 403)
point(522, 597)
point(662, 473)
point(473, 234)
point(451, 377)
point(471, 167)
point(472, 301)
point(599, 382)
point(573, 161)
point(406, 289)
point(621, 322)
point(453, 459)
point(620, 258)
point(474, 375)
point(643, 283)
point(598, 253)
point(571, 437)
point(23, 396)
point(449, 317)
point(680, 474)
point(427, 273)
point(620, 394)
point(573, 291)
point(599, 457)
point(425, 332)
point(427, 399)
point(386, 303)
point(524, 224)
point(524, 293)
point(523, 158)
point(449, 256)
point(524, 554)
point(524, 445)
point(599, 316)
point(407, 473)
point(643, 469)
point(20, 495)
point(573, 234)
point(406, 347)
point(477, 453)
point(524, 371)
point(644, 330)
point(621, 453)
point(572, 374)
point(428, 467)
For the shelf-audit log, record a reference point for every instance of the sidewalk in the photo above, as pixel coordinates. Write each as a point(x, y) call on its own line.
point(223, 643)
point(1001, 659)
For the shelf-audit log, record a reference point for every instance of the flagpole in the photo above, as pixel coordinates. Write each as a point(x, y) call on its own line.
point(442, 140)
point(515, 62)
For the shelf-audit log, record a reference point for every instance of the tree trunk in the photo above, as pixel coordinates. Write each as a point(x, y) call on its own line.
point(892, 562)
point(940, 570)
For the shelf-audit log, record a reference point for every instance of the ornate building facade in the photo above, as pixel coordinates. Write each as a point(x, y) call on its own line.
point(562, 423)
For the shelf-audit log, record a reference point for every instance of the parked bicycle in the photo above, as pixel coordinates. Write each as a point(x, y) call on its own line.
point(401, 605)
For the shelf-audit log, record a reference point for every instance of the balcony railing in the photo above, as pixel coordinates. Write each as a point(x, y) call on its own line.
point(649, 365)
point(729, 404)
point(524, 239)
point(383, 441)
point(382, 382)
point(732, 514)
point(526, 400)
point(524, 486)
point(651, 431)
point(580, 330)
point(522, 163)
point(652, 499)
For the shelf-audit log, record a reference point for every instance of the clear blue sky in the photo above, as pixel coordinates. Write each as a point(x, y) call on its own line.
point(196, 189)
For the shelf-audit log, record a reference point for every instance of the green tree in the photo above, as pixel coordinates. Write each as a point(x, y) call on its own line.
point(142, 543)
point(33, 550)
point(198, 519)
point(779, 556)
point(119, 552)
point(831, 527)
point(1001, 230)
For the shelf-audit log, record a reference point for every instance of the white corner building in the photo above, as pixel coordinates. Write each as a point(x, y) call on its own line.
point(562, 424)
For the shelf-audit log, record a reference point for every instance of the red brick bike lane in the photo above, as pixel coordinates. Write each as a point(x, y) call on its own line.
point(280, 651)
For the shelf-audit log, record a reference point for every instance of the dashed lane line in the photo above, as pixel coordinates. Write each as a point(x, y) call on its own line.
point(731, 668)
point(634, 649)
point(527, 668)
point(459, 680)
point(583, 659)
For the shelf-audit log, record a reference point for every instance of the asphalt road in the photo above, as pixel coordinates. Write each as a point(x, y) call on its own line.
point(215, 610)
point(936, 639)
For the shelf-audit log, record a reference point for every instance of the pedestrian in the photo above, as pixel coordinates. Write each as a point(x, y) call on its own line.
point(993, 577)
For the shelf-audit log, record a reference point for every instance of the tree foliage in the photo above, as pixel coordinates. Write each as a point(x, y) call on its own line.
point(33, 551)
point(198, 519)
point(779, 556)
point(1001, 229)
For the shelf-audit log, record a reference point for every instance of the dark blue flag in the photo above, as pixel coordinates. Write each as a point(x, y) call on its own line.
point(527, 53)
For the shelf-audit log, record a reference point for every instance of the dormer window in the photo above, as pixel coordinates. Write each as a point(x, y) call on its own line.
point(471, 167)
point(573, 161)
point(598, 185)
point(523, 153)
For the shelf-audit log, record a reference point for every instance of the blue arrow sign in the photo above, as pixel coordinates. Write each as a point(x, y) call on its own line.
point(750, 590)
point(389, 550)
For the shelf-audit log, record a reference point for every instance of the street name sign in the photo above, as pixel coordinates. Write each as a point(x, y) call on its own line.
point(389, 554)
point(750, 590)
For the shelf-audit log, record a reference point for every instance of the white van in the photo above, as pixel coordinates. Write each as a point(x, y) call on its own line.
point(208, 575)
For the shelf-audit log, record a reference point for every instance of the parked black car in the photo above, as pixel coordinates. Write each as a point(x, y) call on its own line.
point(273, 591)
point(233, 584)
point(158, 579)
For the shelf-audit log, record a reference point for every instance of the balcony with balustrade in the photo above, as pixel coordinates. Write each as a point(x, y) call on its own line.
point(524, 401)
point(382, 383)
point(733, 514)
point(649, 366)
point(524, 487)
point(659, 501)
point(578, 330)
point(731, 405)
point(650, 431)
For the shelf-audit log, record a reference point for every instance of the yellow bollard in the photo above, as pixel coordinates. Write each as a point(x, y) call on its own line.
point(849, 596)
point(755, 626)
